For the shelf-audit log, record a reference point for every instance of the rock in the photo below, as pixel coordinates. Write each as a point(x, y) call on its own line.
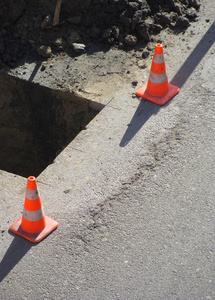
point(44, 51)
point(130, 40)
point(73, 38)
point(150, 47)
point(46, 22)
point(173, 16)
point(143, 32)
point(177, 9)
point(134, 83)
point(149, 23)
point(191, 13)
point(43, 68)
point(195, 3)
point(108, 37)
point(137, 17)
point(141, 64)
point(79, 48)
point(107, 34)
point(185, 2)
point(182, 22)
point(145, 54)
point(110, 41)
point(163, 18)
point(146, 11)
point(115, 32)
point(133, 6)
point(170, 3)
point(58, 42)
point(157, 27)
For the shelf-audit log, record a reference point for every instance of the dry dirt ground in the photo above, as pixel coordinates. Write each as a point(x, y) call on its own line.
point(115, 40)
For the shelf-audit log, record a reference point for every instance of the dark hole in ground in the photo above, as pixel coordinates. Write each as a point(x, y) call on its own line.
point(37, 123)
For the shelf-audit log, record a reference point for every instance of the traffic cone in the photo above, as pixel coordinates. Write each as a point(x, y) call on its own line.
point(33, 225)
point(158, 90)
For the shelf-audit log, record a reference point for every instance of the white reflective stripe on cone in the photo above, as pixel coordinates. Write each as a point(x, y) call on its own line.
point(158, 78)
point(31, 194)
point(33, 215)
point(158, 58)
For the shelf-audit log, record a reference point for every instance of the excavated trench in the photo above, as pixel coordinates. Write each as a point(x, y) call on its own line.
point(37, 123)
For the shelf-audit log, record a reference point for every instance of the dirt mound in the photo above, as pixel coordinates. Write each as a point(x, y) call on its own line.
point(118, 23)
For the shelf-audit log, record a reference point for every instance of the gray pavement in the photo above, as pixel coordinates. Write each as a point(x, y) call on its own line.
point(133, 195)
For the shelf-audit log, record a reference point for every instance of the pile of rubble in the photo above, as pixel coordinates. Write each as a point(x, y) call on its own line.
point(118, 23)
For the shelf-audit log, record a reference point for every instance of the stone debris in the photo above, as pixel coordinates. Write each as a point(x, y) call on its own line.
point(114, 23)
point(79, 48)
point(44, 51)
point(73, 38)
point(46, 22)
point(58, 42)
point(130, 40)
point(182, 22)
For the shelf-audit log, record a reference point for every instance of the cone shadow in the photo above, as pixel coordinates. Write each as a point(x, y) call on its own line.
point(17, 249)
point(146, 108)
point(195, 57)
point(144, 111)
point(36, 68)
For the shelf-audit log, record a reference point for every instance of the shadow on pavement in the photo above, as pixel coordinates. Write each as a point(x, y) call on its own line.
point(146, 109)
point(36, 68)
point(195, 57)
point(17, 249)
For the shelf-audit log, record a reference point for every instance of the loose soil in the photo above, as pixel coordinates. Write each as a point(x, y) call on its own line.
point(114, 40)
point(27, 32)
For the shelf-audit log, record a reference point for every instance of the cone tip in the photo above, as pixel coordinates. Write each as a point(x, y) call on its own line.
point(31, 183)
point(159, 49)
point(31, 178)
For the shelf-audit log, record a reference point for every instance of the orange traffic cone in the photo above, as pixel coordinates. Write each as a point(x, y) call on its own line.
point(158, 90)
point(33, 225)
